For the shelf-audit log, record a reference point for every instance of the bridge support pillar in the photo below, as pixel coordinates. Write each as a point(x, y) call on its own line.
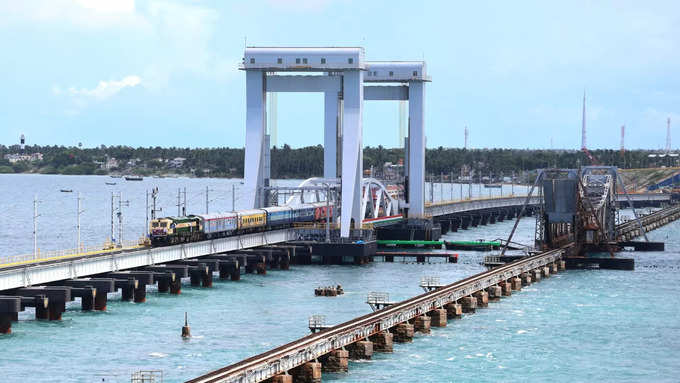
point(482, 298)
point(309, 372)
point(469, 304)
point(536, 275)
point(546, 271)
point(495, 293)
point(416, 149)
point(335, 361)
point(562, 265)
point(438, 317)
point(454, 311)
point(382, 341)
point(506, 288)
point(403, 332)
point(526, 279)
point(516, 283)
point(362, 349)
point(352, 150)
point(422, 324)
point(553, 268)
point(282, 378)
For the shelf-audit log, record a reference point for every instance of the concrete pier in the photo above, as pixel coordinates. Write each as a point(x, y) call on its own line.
point(143, 278)
point(362, 349)
point(104, 286)
point(382, 341)
point(516, 283)
point(57, 297)
point(536, 275)
point(545, 271)
point(526, 279)
point(469, 304)
point(10, 306)
point(335, 361)
point(438, 317)
point(309, 372)
point(482, 298)
point(422, 324)
point(495, 293)
point(506, 288)
point(403, 332)
point(454, 310)
point(87, 296)
point(281, 378)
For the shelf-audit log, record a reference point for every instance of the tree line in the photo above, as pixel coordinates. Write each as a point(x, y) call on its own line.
point(287, 162)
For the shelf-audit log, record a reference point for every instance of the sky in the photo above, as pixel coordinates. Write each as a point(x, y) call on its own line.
point(165, 73)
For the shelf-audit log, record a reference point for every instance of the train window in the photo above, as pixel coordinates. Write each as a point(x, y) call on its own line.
point(164, 224)
point(279, 60)
point(391, 73)
point(252, 61)
point(350, 61)
point(304, 60)
point(323, 60)
point(297, 60)
point(415, 72)
point(154, 224)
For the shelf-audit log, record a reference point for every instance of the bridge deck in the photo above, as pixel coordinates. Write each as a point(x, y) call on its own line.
point(298, 352)
point(45, 272)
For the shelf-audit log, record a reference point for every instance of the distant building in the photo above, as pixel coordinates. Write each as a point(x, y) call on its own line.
point(16, 157)
point(176, 162)
point(393, 171)
point(110, 163)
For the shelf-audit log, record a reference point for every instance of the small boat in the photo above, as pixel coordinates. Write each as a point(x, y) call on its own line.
point(115, 176)
point(66, 190)
point(134, 178)
point(110, 183)
point(493, 186)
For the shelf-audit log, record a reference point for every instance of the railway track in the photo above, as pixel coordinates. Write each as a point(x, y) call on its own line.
point(281, 359)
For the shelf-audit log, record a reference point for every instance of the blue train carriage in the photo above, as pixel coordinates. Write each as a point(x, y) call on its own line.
point(251, 220)
point(304, 213)
point(218, 225)
point(278, 216)
point(173, 230)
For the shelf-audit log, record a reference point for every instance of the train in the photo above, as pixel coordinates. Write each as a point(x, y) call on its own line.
point(199, 227)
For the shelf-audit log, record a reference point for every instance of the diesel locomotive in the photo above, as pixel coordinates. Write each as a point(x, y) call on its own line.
point(198, 227)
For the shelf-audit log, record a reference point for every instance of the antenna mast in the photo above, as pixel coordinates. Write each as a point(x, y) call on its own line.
point(583, 123)
point(668, 135)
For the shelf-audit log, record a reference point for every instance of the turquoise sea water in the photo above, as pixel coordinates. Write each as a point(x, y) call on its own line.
point(577, 326)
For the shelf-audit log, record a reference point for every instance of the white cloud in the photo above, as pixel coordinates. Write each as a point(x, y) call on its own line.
point(105, 89)
point(302, 5)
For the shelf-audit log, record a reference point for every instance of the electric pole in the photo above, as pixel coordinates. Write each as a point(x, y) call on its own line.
point(233, 197)
point(184, 208)
point(35, 226)
point(78, 243)
point(154, 195)
point(179, 204)
point(121, 203)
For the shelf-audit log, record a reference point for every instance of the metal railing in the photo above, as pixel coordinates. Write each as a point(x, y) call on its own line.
point(52, 255)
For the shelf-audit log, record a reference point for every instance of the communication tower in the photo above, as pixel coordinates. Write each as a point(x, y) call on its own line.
point(467, 136)
point(22, 142)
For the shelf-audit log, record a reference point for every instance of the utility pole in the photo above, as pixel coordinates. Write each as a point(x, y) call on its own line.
point(112, 212)
point(78, 244)
point(121, 203)
point(233, 197)
point(441, 186)
point(154, 195)
point(451, 182)
point(179, 204)
point(184, 208)
point(146, 228)
point(35, 226)
point(206, 199)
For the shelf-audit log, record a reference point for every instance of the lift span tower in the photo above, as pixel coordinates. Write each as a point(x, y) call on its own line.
point(346, 79)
